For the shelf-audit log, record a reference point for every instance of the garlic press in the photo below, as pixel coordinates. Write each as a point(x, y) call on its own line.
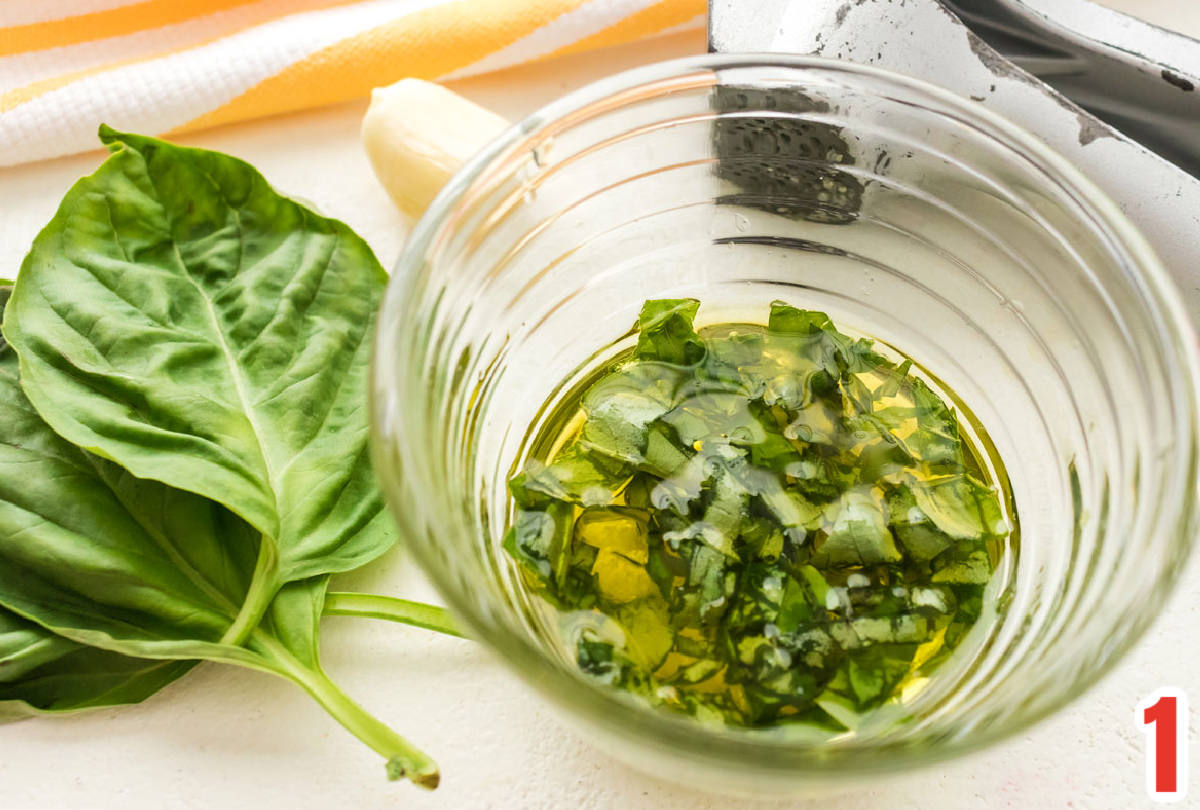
point(1118, 97)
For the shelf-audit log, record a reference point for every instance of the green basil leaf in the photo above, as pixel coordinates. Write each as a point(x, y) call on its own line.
point(180, 317)
point(860, 356)
point(856, 533)
point(922, 540)
point(972, 567)
point(875, 672)
point(960, 506)
point(858, 394)
point(791, 510)
point(894, 378)
point(816, 422)
point(599, 660)
point(648, 634)
point(623, 405)
point(666, 333)
point(709, 583)
point(734, 361)
point(936, 440)
point(538, 540)
point(24, 646)
point(839, 354)
point(786, 319)
point(801, 334)
point(774, 451)
point(663, 457)
point(106, 559)
point(722, 417)
point(904, 628)
point(129, 566)
point(573, 476)
point(683, 485)
point(763, 538)
point(41, 673)
point(138, 568)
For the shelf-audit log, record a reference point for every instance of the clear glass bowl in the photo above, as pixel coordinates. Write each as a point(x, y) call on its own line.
point(907, 214)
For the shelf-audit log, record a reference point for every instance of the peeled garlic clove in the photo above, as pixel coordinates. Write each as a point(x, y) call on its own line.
point(417, 134)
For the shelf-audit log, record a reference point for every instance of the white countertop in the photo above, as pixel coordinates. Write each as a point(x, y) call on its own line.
point(227, 738)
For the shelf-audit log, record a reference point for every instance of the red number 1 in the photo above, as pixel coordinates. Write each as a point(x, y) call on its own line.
point(1163, 718)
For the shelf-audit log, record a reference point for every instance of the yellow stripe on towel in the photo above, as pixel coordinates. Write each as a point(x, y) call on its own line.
point(645, 23)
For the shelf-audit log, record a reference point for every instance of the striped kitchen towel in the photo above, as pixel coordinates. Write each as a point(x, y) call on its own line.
point(166, 66)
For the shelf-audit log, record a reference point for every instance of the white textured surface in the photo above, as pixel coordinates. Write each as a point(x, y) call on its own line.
point(224, 738)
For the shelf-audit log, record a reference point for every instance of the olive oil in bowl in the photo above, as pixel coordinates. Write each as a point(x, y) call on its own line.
point(758, 525)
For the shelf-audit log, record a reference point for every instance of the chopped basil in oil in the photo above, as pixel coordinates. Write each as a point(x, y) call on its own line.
point(758, 524)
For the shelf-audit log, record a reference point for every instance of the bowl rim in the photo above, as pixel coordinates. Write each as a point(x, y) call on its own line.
point(611, 712)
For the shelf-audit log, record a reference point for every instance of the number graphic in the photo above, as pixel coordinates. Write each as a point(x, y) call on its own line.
point(1162, 718)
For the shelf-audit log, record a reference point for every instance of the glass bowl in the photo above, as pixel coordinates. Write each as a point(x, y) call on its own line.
point(906, 213)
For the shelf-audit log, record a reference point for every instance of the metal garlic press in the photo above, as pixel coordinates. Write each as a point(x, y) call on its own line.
point(1116, 96)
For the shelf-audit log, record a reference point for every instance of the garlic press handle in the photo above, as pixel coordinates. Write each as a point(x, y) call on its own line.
point(1141, 79)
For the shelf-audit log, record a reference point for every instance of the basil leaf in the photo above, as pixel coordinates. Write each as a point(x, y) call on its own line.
point(789, 320)
point(856, 533)
point(24, 647)
point(682, 487)
point(936, 441)
point(733, 361)
point(666, 333)
point(810, 335)
point(623, 405)
point(725, 512)
point(138, 568)
point(959, 506)
point(875, 672)
point(181, 318)
point(716, 416)
point(599, 660)
point(106, 559)
point(970, 568)
point(904, 628)
point(573, 476)
point(648, 635)
point(663, 457)
point(774, 451)
point(709, 584)
point(41, 673)
point(539, 539)
point(922, 540)
point(839, 355)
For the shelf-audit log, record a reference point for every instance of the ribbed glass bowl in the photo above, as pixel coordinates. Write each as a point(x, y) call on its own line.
point(907, 214)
